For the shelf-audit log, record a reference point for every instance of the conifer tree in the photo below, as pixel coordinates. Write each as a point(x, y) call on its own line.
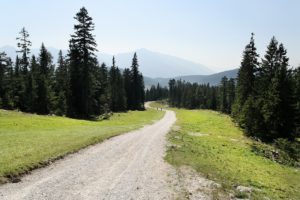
point(104, 90)
point(223, 95)
point(17, 84)
point(6, 75)
point(118, 96)
point(61, 85)
point(137, 97)
point(297, 101)
point(127, 86)
point(44, 86)
point(245, 80)
point(277, 96)
point(24, 49)
point(230, 94)
point(82, 60)
point(33, 78)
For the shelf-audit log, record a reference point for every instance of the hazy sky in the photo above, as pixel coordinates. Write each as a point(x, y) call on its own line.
point(210, 32)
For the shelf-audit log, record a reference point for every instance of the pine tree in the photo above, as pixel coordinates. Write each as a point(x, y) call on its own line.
point(297, 101)
point(276, 93)
point(33, 78)
point(82, 60)
point(44, 83)
point(127, 86)
point(245, 80)
point(61, 85)
point(17, 84)
point(117, 90)
point(230, 94)
point(223, 95)
point(6, 75)
point(137, 97)
point(24, 49)
point(105, 97)
point(24, 45)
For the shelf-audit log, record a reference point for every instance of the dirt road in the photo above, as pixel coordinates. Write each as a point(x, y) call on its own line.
point(128, 166)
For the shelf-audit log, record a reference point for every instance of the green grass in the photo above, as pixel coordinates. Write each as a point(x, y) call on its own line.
point(211, 143)
point(29, 141)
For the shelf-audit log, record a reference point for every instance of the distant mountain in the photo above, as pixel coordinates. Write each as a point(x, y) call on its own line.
point(155, 64)
point(213, 79)
point(152, 64)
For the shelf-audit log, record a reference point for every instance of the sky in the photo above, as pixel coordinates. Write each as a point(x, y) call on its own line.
point(210, 32)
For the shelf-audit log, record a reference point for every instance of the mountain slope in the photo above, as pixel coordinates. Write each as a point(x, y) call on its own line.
point(213, 79)
point(155, 64)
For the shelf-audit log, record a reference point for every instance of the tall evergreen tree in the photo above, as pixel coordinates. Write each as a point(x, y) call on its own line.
point(230, 94)
point(82, 60)
point(137, 97)
point(24, 49)
point(61, 85)
point(44, 85)
point(275, 94)
point(127, 86)
point(297, 101)
point(118, 96)
point(245, 80)
point(104, 90)
point(17, 84)
point(223, 95)
point(33, 78)
point(6, 75)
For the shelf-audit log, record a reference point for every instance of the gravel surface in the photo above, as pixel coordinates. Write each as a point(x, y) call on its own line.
point(128, 166)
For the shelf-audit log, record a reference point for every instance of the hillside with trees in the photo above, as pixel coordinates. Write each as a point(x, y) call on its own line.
point(263, 100)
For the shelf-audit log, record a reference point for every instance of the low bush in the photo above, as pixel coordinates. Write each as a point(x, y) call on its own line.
point(282, 151)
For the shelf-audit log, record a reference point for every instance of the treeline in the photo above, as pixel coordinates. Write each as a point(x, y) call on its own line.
point(78, 86)
point(192, 96)
point(183, 94)
point(155, 93)
point(267, 95)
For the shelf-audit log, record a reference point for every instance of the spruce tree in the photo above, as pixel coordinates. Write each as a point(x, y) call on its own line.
point(230, 94)
point(104, 90)
point(127, 86)
point(17, 84)
point(33, 78)
point(6, 75)
point(137, 97)
point(245, 80)
point(276, 93)
point(61, 85)
point(82, 47)
point(24, 49)
point(117, 90)
point(223, 95)
point(297, 101)
point(44, 85)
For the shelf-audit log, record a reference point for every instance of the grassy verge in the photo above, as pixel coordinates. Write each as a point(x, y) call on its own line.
point(29, 141)
point(210, 143)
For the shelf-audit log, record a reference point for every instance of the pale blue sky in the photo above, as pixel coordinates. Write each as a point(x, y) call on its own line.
point(211, 32)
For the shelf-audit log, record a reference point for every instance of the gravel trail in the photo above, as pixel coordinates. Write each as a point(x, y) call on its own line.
point(129, 166)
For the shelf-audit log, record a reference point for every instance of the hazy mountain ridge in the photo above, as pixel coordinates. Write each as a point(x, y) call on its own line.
point(213, 79)
point(151, 63)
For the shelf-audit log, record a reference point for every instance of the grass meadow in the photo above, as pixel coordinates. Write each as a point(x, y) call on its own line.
point(211, 143)
point(28, 141)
